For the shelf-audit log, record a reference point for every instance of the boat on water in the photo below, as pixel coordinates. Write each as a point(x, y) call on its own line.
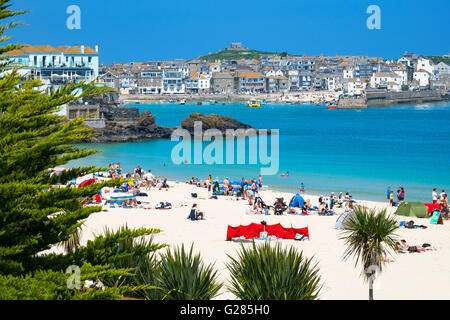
point(254, 104)
point(171, 101)
point(183, 101)
point(331, 105)
point(199, 103)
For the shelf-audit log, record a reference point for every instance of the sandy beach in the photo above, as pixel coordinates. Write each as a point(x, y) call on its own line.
point(410, 276)
point(304, 97)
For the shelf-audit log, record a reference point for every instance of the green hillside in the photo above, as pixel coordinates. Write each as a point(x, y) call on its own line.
point(437, 59)
point(237, 55)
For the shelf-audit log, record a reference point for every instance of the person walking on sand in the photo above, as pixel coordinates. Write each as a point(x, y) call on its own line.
point(260, 182)
point(388, 194)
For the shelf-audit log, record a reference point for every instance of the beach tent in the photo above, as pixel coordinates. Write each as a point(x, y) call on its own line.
point(253, 231)
point(87, 182)
point(342, 218)
point(297, 201)
point(412, 209)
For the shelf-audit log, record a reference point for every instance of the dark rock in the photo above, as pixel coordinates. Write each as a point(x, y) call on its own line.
point(145, 128)
point(213, 121)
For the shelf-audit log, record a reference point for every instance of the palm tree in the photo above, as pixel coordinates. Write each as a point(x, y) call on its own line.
point(183, 276)
point(273, 273)
point(73, 241)
point(369, 236)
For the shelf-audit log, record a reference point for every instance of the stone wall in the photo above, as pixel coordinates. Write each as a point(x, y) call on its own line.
point(384, 98)
point(95, 123)
point(82, 110)
point(352, 103)
point(120, 115)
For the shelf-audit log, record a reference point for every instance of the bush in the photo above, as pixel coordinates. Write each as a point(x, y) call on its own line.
point(183, 276)
point(273, 273)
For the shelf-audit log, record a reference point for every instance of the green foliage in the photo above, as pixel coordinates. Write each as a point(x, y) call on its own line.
point(437, 59)
point(237, 55)
point(273, 273)
point(52, 285)
point(183, 276)
point(369, 235)
point(39, 211)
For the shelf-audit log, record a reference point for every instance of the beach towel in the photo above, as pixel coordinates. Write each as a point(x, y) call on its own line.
point(253, 231)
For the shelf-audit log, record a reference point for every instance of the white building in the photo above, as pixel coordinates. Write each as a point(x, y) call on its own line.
point(423, 77)
point(273, 72)
point(215, 67)
point(406, 61)
point(198, 83)
point(172, 81)
point(424, 64)
point(384, 79)
point(348, 73)
point(57, 66)
point(355, 87)
point(441, 70)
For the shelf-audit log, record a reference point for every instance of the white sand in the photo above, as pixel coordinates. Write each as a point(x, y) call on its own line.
point(411, 276)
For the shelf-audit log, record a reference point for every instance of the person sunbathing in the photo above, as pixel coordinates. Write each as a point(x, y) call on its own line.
point(404, 247)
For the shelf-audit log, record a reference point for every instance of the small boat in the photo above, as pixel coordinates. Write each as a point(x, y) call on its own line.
point(199, 103)
point(331, 105)
point(171, 101)
point(254, 104)
point(183, 101)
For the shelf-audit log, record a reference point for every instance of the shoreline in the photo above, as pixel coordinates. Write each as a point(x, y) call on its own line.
point(300, 98)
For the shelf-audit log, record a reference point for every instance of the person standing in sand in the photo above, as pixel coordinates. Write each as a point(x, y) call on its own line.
point(434, 196)
point(302, 188)
point(388, 194)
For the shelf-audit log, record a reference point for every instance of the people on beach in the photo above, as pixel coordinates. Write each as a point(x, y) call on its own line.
point(302, 188)
point(332, 200)
point(434, 196)
point(444, 204)
point(250, 192)
point(388, 194)
point(400, 194)
point(402, 246)
point(195, 214)
point(391, 199)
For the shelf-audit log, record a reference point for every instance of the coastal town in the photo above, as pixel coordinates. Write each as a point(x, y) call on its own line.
point(238, 72)
point(230, 176)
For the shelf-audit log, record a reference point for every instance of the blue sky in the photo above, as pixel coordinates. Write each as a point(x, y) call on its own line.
point(141, 30)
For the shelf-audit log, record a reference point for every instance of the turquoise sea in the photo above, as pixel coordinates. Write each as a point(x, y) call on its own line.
point(356, 151)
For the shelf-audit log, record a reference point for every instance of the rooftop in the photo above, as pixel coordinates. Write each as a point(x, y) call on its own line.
point(49, 49)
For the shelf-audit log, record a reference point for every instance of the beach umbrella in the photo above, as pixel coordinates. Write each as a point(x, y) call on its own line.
point(87, 182)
